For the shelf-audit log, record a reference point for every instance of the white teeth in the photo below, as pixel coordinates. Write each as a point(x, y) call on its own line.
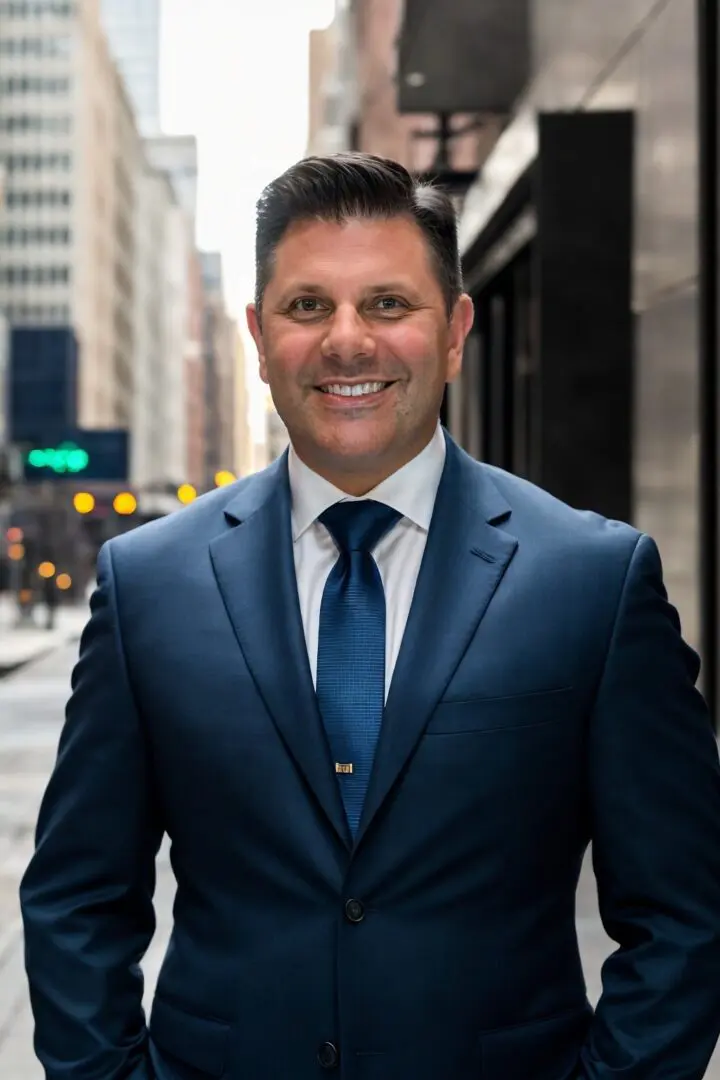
point(354, 391)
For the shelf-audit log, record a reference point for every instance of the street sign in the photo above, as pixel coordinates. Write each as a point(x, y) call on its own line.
point(83, 454)
point(66, 458)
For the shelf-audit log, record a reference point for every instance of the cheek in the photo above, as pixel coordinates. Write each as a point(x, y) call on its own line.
point(289, 355)
point(420, 349)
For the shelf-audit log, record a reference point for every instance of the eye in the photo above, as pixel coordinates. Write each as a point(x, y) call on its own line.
point(389, 305)
point(306, 305)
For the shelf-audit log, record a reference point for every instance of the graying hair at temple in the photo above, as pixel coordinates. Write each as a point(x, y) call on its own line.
point(350, 185)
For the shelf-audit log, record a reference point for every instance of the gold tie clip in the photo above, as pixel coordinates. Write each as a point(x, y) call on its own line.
point(343, 768)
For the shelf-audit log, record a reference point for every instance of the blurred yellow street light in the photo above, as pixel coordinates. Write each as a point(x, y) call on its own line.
point(84, 502)
point(125, 503)
point(224, 477)
point(186, 493)
point(46, 570)
point(16, 552)
point(63, 582)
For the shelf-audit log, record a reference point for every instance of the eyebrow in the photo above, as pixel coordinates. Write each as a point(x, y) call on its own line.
point(302, 286)
point(382, 287)
point(393, 287)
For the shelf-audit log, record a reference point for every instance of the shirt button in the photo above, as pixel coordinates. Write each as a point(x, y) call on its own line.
point(328, 1056)
point(354, 911)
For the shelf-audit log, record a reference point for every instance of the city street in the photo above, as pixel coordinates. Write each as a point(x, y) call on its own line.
point(31, 708)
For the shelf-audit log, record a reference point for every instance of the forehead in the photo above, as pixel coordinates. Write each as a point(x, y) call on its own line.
point(355, 251)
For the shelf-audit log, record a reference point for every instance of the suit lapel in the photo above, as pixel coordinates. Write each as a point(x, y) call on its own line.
point(255, 572)
point(465, 559)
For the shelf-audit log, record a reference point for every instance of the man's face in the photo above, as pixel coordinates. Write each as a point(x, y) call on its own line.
point(356, 345)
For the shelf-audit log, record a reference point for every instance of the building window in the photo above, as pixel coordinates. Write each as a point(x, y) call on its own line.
point(23, 122)
point(23, 9)
point(36, 313)
point(35, 275)
point(38, 162)
point(56, 45)
point(38, 236)
point(37, 199)
point(34, 84)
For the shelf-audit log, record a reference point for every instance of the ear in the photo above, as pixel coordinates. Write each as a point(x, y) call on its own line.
point(461, 322)
point(253, 322)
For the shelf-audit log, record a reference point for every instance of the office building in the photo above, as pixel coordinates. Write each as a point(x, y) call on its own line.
point(4, 363)
point(71, 154)
point(276, 434)
point(590, 246)
point(332, 85)
point(177, 155)
point(219, 354)
point(195, 373)
point(133, 30)
point(173, 407)
point(244, 463)
point(159, 425)
point(353, 95)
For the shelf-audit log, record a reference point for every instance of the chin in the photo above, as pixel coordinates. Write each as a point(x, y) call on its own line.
point(357, 445)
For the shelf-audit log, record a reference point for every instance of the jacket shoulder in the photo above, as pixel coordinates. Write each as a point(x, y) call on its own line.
point(543, 517)
point(179, 535)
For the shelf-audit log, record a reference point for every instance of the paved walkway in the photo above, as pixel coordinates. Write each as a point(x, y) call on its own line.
point(21, 644)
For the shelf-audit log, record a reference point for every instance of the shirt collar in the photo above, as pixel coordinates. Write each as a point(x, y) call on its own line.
point(411, 490)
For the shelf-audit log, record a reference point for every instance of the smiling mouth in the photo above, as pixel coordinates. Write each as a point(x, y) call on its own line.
point(359, 390)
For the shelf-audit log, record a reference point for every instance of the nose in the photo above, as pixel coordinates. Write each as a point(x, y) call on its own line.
point(347, 337)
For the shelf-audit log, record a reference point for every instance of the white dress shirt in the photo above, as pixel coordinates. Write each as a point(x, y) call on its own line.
point(411, 491)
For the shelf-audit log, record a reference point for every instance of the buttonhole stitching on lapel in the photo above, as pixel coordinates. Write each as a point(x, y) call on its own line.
point(484, 555)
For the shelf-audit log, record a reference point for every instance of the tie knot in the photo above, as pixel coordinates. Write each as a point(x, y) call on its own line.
point(359, 525)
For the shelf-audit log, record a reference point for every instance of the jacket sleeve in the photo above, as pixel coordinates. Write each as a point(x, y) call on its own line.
point(86, 896)
point(655, 802)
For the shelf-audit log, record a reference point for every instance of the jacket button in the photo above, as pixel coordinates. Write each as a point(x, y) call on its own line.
point(354, 911)
point(328, 1056)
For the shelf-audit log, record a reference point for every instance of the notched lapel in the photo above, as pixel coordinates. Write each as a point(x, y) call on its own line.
point(255, 572)
point(465, 559)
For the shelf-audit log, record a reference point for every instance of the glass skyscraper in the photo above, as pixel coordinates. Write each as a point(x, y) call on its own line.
point(133, 30)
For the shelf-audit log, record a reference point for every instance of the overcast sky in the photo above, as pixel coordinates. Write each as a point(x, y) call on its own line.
point(235, 74)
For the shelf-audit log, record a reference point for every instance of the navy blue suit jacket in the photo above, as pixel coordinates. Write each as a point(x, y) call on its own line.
point(543, 697)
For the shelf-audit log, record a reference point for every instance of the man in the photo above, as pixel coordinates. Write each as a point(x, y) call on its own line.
point(380, 697)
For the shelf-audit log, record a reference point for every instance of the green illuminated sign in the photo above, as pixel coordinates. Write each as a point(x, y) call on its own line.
point(66, 458)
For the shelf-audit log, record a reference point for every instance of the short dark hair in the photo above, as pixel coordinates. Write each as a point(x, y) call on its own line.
point(355, 185)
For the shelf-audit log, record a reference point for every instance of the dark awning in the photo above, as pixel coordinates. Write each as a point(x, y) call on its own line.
point(463, 56)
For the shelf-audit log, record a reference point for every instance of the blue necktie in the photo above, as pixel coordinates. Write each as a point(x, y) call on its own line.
point(351, 646)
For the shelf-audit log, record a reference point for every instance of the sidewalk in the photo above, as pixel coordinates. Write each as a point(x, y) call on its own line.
point(20, 645)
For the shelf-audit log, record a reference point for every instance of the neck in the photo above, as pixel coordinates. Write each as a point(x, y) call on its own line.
point(357, 485)
point(356, 479)
point(354, 483)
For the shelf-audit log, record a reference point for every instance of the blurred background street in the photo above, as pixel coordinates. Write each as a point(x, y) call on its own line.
point(581, 143)
point(31, 709)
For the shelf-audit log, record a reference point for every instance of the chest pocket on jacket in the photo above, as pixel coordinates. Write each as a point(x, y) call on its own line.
point(486, 715)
